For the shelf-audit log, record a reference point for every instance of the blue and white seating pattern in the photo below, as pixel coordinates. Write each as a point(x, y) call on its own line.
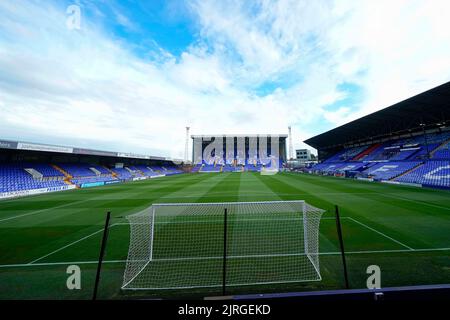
point(13, 177)
point(419, 160)
point(122, 173)
point(389, 170)
point(432, 173)
point(82, 173)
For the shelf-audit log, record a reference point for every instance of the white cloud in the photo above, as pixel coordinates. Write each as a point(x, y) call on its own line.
point(404, 47)
point(87, 88)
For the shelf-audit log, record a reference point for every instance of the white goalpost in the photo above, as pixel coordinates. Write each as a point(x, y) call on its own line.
point(201, 245)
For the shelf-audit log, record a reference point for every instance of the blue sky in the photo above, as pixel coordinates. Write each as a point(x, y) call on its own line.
point(137, 72)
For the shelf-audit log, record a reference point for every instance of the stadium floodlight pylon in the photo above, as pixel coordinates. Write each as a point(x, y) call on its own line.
point(181, 245)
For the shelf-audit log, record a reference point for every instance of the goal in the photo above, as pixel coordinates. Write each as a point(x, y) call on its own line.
point(204, 245)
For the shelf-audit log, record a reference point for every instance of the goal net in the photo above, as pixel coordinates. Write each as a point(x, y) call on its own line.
point(196, 245)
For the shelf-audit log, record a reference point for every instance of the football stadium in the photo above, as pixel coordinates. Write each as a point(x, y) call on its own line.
point(235, 154)
point(388, 174)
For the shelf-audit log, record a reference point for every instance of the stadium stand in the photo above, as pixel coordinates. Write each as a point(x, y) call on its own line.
point(390, 170)
point(432, 173)
point(77, 170)
point(210, 168)
point(47, 170)
point(35, 168)
point(417, 152)
point(14, 177)
point(171, 170)
point(143, 170)
point(30, 176)
point(366, 152)
point(82, 174)
point(347, 154)
point(231, 168)
point(421, 160)
point(122, 173)
point(443, 153)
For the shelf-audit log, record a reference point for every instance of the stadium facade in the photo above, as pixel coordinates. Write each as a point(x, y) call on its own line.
point(407, 143)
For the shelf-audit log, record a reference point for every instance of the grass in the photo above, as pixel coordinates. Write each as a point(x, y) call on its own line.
point(404, 230)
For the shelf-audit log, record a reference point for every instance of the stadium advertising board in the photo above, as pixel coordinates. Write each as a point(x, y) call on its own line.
point(43, 147)
point(112, 181)
point(92, 184)
point(172, 173)
point(402, 183)
point(365, 179)
point(132, 155)
point(20, 193)
point(139, 178)
point(8, 144)
point(94, 152)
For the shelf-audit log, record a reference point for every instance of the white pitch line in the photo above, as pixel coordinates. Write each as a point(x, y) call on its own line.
point(320, 254)
point(42, 210)
point(381, 233)
point(414, 201)
point(57, 263)
point(387, 251)
point(68, 245)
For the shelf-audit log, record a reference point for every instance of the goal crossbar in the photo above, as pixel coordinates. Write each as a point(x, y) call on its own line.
point(177, 204)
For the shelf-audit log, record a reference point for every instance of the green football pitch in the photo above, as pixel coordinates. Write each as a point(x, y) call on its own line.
point(404, 230)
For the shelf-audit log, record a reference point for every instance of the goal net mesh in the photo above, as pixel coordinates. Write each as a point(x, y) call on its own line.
point(179, 246)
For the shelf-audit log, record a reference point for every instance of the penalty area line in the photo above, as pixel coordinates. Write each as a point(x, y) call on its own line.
point(68, 245)
point(381, 233)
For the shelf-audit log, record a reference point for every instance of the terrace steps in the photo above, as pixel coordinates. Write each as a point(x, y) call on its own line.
point(136, 172)
point(95, 171)
point(439, 147)
point(69, 182)
point(64, 172)
point(366, 152)
point(67, 177)
point(407, 171)
point(115, 175)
